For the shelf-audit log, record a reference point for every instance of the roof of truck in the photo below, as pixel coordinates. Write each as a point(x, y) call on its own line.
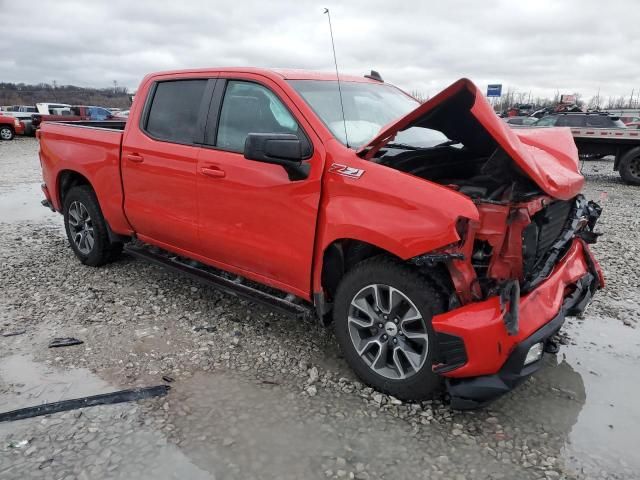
point(287, 74)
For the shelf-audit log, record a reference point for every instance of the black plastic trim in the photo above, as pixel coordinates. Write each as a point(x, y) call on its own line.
point(451, 353)
point(302, 310)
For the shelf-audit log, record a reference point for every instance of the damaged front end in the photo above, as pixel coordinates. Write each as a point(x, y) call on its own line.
point(513, 248)
point(524, 263)
point(519, 271)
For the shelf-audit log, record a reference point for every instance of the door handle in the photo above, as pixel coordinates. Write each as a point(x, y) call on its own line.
point(213, 172)
point(134, 157)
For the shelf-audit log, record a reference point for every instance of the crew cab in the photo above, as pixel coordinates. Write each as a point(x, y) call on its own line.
point(441, 244)
point(9, 127)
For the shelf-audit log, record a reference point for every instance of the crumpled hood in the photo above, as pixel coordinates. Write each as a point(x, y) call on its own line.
point(548, 156)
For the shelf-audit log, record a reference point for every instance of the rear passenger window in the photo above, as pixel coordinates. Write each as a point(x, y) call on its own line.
point(174, 110)
point(251, 108)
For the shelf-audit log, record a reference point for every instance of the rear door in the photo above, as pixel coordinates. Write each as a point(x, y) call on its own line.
point(253, 219)
point(159, 159)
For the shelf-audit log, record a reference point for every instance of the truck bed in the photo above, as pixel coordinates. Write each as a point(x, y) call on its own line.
point(104, 125)
point(92, 149)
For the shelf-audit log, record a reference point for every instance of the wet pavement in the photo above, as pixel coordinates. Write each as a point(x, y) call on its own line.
point(257, 395)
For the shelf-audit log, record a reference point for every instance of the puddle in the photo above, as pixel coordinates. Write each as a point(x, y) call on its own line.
point(25, 383)
point(607, 356)
point(23, 204)
point(110, 441)
point(240, 428)
point(585, 398)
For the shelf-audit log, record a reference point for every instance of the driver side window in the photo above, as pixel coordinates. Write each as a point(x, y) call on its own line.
point(251, 108)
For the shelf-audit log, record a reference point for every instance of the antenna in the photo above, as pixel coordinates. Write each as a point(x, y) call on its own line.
point(335, 61)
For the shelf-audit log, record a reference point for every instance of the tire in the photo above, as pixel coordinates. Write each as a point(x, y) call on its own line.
point(87, 229)
point(630, 167)
point(6, 133)
point(407, 376)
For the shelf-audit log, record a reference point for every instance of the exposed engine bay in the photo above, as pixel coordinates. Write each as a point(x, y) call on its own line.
point(522, 232)
point(495, 178)
point(525, 186)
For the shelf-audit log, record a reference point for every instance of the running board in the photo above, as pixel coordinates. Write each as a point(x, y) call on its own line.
point(233, 287)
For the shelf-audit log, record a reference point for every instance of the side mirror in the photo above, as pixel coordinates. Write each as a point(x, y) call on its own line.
point(283, 149)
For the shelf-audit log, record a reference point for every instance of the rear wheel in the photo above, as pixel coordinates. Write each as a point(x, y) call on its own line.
point(6, 133)
point(382, 317)
point(86, 227)
point(630, 167)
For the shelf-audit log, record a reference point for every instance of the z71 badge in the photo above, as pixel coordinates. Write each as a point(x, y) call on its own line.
point(346, 171)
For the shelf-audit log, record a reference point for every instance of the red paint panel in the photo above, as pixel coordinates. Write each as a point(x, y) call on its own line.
point(93, 153)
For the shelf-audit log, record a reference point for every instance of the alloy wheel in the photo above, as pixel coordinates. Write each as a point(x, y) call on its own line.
point(388, 331)
point(81, 227)
point(5, 133)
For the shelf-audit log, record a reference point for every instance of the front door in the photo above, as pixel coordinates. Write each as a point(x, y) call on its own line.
point(253, 219)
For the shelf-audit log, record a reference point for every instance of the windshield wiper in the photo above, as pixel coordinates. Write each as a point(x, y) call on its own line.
point(448, 143)
point(406, 146)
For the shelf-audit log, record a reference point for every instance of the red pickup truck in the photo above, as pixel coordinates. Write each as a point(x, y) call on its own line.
point(440, 243)
point(9, 127)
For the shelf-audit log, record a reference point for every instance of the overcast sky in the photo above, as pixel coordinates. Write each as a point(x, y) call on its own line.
point(539, 46)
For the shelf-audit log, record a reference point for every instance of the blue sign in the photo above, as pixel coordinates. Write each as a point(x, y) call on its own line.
point(494, 90)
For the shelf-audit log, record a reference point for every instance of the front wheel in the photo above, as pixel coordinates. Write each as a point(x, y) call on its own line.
point(6, 133)
point(382, 317)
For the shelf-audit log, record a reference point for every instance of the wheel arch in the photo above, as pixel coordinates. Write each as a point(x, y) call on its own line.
point(343, 254)
point(66, 180)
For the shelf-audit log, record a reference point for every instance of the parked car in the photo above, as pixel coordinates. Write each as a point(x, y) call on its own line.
point(51, 108)
point(9, 127)
point(122, 114)
point(437, 241)
point(521, 120)
point(519, 110)
point(580, 119)
point(76, 112)
point(25, 119)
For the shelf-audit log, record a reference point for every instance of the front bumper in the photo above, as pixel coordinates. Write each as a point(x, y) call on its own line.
point(493, 360)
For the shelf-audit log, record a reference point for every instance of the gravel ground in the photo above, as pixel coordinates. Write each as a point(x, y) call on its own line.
point(259, 395)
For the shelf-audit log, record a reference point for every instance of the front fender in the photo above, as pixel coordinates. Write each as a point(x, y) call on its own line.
point(397, 212)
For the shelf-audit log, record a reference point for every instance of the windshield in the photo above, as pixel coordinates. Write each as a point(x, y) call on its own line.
point(367, 108)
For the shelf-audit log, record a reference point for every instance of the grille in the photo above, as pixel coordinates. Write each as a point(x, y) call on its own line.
point(545, 229)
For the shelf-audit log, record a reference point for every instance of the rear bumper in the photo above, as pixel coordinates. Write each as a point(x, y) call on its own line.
point(493, 360)
point(47, 198)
